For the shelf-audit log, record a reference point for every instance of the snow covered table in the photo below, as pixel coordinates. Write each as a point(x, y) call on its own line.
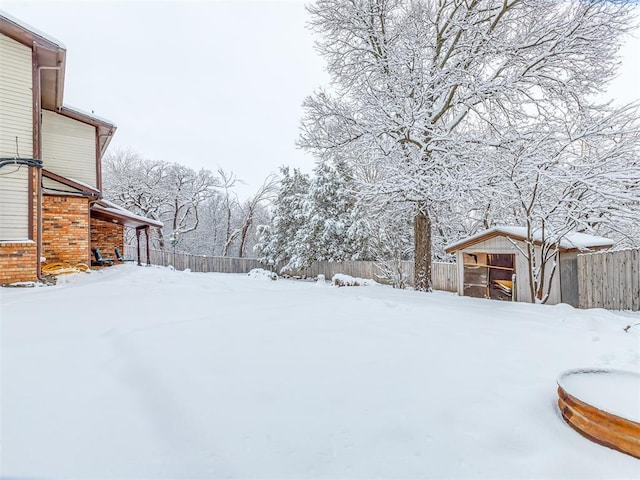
point(604, 406)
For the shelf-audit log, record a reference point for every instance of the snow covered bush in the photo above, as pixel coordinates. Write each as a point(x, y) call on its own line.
point(342, 280)
point(391, 242)
point(262, 274)
point(392, 270)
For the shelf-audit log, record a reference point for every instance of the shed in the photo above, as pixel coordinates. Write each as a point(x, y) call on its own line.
point(491, 264)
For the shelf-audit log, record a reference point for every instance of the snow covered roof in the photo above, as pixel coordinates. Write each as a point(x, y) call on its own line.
point(107, 210)
point(570, 241)
point(91, 117)
point(34, 31)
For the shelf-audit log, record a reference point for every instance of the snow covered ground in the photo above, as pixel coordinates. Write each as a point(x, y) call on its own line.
point(152, 373)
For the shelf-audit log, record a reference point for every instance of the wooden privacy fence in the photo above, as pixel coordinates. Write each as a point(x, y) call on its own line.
point(355, 268)
point(444, 275)
point(609, 280)
point(197, 263)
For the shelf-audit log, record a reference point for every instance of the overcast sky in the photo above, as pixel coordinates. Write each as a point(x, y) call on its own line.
point(206, 84)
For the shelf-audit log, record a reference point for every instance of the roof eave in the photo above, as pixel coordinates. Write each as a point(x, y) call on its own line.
point(590, 249)
point(84, 189)
point(121, 217)
point(50, 54)
point(489, 234)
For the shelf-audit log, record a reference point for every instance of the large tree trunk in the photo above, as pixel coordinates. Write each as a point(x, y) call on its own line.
point(243, 239)
point(422, 249)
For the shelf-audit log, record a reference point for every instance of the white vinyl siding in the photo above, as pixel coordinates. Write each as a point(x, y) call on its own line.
point(69, 148)
point(16, 122)
point(14, 203)
point(16, 101)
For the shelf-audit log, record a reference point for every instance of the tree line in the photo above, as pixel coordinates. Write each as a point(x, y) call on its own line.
point(201, 212)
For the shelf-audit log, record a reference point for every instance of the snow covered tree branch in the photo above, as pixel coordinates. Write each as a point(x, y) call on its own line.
point(411, 78)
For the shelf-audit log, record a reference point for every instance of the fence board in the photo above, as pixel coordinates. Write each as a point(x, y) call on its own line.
point(588, 285)
point(569, 281)
point(597, 280)
point(582, 293)
point(635, 280)
point(628, 273)
point(609, 282)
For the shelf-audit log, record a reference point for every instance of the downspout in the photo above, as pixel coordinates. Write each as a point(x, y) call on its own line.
point(39, 228)
point(39, 174)
point(100, 152)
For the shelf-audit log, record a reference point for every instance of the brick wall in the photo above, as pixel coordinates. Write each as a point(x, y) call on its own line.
point(65, 236)
point(18, 260)
point(106, 236)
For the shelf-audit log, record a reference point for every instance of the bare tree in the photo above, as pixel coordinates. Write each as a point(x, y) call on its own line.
point(136, 184)
point(187, 190)
point(251, 207)
point(230, 203)
point(169, 192)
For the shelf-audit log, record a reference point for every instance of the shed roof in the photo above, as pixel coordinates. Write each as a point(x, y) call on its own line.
point(573, 241)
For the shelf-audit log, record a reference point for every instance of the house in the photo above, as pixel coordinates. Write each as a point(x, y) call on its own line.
point(493, 264)
point(51, 205)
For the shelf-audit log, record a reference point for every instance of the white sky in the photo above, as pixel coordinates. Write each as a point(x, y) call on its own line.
point(206, 84)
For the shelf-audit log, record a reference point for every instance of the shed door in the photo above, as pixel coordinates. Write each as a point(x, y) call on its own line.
point(488, 275)
point(501, 270)
point(476, 275)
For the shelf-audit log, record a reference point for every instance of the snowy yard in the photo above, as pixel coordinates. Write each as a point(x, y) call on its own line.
point(152, 373)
